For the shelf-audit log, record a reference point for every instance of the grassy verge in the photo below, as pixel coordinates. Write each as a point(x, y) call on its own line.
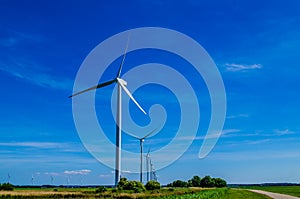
point(289, 190)
point(221, 193)
point(224, 193)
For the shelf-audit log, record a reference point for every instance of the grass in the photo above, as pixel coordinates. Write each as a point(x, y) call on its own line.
point(224, 193)
point(289, 190)
point(165, 193)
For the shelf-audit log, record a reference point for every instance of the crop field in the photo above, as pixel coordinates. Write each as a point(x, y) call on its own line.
point(165, 193)
point(289, 190)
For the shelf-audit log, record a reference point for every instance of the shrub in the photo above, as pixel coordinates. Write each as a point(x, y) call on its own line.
point(131, 185)
point(152, 185)
point(101, 189)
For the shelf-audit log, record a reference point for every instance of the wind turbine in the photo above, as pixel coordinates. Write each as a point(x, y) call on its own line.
point(32, 180)
point(8, 178)
point(148, 164)
point(141, 150)
point(52, 179)
point(121, 85)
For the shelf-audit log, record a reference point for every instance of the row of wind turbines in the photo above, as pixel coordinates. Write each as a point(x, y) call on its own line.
point(122, 86)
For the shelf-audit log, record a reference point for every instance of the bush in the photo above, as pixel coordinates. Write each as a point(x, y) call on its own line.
point(136, 186)
point(101, 189)
point(152, 185)
point(6, 187)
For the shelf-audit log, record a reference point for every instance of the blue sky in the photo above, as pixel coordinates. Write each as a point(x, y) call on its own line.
point(255, 45)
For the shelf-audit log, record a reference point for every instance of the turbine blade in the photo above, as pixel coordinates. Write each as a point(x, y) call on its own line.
point(129, 94)
point(94, 87)
point(149, 133)
point(124, 56)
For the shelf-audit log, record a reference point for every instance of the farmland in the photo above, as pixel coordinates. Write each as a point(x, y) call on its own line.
point(164, 193)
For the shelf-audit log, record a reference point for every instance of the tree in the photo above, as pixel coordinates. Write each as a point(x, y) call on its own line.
point(6, 187)
point(195, 181)
point(178, 183)
point(207, 181)
point(152, 185)
point(220, 182)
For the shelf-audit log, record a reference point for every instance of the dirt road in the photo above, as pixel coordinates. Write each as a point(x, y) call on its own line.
point(275, 195)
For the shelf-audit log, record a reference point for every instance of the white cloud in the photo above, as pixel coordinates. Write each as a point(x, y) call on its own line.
point(284, 132)
point(237, 116)
point(242, 67)
point(33, 144)
point(52, 173)
point(25, 71)
point(78, 172)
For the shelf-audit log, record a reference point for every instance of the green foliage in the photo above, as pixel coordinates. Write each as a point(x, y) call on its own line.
point(207, 181)
point(178, 183)
point(222, 193)
point(196, 181)
point(136, 186)
point(152, 185)
point(122, 183)
point(101, 189)
point(6, 187)
point(218, 182)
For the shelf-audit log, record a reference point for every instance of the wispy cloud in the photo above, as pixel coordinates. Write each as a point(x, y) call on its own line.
point(237, 116)
point(78, 172)
point(11, 38)
point(25, 71)
point(34, 144)
point(18, 64)
point(241, 67)
point(54, 146)
point(284, 132)
point(52, 173)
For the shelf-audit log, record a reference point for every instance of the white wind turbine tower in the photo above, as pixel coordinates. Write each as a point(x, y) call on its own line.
point(148, 164)
point(121, 85)
point(8, 178)
point(141, 151)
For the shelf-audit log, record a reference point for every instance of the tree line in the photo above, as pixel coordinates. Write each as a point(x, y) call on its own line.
point(6, 187)
point(196, 181)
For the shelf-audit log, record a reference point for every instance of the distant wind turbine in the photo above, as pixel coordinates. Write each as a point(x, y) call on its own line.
point(8, 178)
point(121, 85)
point(32, 180)
point(148, 164)
point(52, 179)
point(141, 151)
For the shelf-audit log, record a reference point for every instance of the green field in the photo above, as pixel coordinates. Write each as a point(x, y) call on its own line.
point(223, 193)
point(165, 193)
point(289, 190)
